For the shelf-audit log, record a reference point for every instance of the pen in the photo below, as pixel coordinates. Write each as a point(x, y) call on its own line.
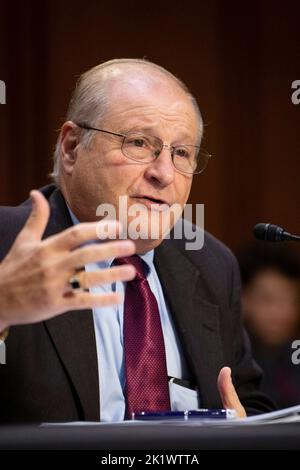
point(186, 415)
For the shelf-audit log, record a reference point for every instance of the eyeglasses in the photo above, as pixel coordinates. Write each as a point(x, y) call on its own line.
point(146, 148)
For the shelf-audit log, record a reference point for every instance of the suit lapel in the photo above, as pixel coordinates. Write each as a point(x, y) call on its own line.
point(196, 318)
point(73, 333)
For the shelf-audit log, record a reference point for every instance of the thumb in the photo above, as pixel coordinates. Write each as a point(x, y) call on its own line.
point(37, 221)
point(228, 393)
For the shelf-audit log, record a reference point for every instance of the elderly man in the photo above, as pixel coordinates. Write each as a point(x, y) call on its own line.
point(133, 131)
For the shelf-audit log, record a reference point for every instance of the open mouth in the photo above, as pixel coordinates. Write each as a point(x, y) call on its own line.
point(152, 201)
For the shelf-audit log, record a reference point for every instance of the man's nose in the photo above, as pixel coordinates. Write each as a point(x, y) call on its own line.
point(162, 169)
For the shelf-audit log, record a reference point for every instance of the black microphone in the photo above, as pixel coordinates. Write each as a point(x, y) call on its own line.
point(273, 233)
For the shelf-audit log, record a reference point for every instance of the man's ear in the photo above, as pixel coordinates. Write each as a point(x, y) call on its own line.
point(69, 140)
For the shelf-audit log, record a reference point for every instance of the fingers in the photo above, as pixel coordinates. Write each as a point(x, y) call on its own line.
point(81, 233)
point(37, 221)
point(99, 252)
point(106, 276)
point(77, 301)
point(228, 393)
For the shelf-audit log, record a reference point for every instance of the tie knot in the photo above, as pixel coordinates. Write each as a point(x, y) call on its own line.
point(136, 261)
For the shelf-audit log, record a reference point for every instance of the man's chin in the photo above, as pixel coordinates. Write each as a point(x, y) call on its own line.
point(143, 246)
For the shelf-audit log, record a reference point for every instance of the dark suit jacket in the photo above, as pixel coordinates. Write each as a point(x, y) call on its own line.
point(51, 372)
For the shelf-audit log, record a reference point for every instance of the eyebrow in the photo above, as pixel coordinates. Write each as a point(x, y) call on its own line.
point(150, 130)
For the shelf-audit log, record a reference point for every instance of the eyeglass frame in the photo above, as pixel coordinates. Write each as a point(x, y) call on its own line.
point(171, 147)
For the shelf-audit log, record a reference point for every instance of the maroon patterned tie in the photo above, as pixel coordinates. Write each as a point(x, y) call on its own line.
point(146, 386)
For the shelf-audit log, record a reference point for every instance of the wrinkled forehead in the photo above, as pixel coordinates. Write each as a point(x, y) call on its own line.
point(140, 93)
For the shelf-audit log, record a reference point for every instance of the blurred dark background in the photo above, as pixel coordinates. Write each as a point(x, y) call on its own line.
point(238, 58)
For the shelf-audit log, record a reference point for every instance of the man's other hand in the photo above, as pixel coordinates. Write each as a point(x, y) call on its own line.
point(228, 394)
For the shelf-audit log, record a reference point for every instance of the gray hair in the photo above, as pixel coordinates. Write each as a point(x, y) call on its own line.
point(89, 102)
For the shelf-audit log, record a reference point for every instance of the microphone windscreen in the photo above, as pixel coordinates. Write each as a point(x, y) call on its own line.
point(270, 233)
point(260, 231)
